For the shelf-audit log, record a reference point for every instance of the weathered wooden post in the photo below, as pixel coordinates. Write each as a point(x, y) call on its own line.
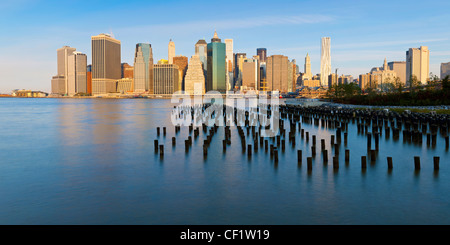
point(417, 163)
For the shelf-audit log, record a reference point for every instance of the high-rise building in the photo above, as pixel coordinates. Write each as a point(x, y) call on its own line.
point(89, 79)
point(229, 63)
point(399, 67)
point(418, 64)
point(262, 53)
point(325, 61)
point(445, 70)
point(250, 74)
point(262, 77)
point(143, 67)
point(194, 77)
point(59, 84)
point(127, 71)
point(182, 63)
point(307, 75)
point(238, 61)
point(171, 48)
point(140, 71)
point(200, 50)
point(106, 64)
point(165, 79)
point(62, 65)
point(76, 73)
point(277, 73)
point(216, 77)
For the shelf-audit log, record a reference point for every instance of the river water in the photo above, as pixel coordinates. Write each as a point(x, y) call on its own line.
point(92, 161)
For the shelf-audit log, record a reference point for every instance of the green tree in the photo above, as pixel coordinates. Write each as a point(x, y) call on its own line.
point(414, 84)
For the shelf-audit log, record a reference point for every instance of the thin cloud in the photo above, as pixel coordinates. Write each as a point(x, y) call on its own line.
point(230, 23)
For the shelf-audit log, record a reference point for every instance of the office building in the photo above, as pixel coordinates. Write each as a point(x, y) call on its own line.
point(262, 53)
point(445, 70)
point(325, 61)
point(307, 75)
point(250, 74)
point(76, 74)
point(182, 63)
point(89, 79)
point(165, 79)
point(140, 73)
point(277, 73)
point(238, 62)
point(200, 51)
point(399, 67)
point(418, 64)
point(194, 77)
point(171, 48)
point(62, 70)
point(59, 84)
point(106, 64)
point(216, 77)
point(229, 63)
point(127, 71)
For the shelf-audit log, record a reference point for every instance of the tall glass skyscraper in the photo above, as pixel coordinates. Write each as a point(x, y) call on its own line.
point(216, 63)
point(325, 61)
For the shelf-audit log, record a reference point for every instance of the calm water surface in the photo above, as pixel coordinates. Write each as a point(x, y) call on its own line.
point(92, 161)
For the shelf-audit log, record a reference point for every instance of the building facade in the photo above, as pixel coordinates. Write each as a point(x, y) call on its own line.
point(106, 64)
point(194, 77)
point(262, 53)
point(201, 52)
point(182, 63)
point(216, 71)
point(325, 61)
point(165, 79)
point(229, 63)
point(238, 62)
point(77, 77)
point(277, 73)
point(62, 70)
point(171, 48)
point(399, 67)
point(445, 70)
point(250, 74)
point(418, 64)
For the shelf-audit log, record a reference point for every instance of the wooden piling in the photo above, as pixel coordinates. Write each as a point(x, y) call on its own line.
point(417, 163)
point(436, 163)
point(389, 162)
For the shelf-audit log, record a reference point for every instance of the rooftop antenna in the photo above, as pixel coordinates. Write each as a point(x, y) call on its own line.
point(112, 35)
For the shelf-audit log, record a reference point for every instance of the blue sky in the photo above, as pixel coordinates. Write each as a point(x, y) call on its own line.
point(362, 33)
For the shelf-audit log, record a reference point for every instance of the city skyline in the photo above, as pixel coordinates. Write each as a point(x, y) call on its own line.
point(362, 37)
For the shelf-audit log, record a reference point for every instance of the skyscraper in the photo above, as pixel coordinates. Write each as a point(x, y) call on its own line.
point(229, 63)
point(200, 50)
point(262, 53)
point(277, 73)
point(139, 71)
point(250, 74)
point(418, 64)
point(194, 76)
point(171, 48)
point(143, 67)
point(399, 67)
point(182, 63)
point(216, 77)
point(307, 75)
point(238, 61)
point(62, 60)
point(325, 61)
point(89, 79)
point(445, 70)
point(76, 73)
point(166, 79)
point(106, 69)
